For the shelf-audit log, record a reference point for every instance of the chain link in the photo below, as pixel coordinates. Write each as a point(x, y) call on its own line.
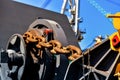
point(54, 46)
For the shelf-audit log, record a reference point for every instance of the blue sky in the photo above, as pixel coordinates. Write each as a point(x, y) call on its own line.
point(93, 12)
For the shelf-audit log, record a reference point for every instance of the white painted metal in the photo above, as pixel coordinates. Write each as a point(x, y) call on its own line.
point(74, 13)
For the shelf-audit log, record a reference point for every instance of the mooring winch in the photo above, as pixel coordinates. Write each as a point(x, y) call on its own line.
point(39, 52)
point(43, 53)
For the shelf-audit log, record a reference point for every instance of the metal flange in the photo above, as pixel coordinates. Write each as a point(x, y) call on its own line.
point(13, 67)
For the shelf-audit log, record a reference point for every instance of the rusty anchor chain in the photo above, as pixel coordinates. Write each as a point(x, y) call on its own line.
point(54, 46)
point(76, 52)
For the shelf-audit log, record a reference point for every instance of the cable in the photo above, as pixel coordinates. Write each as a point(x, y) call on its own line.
point(99, 8)
point(45, 3)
